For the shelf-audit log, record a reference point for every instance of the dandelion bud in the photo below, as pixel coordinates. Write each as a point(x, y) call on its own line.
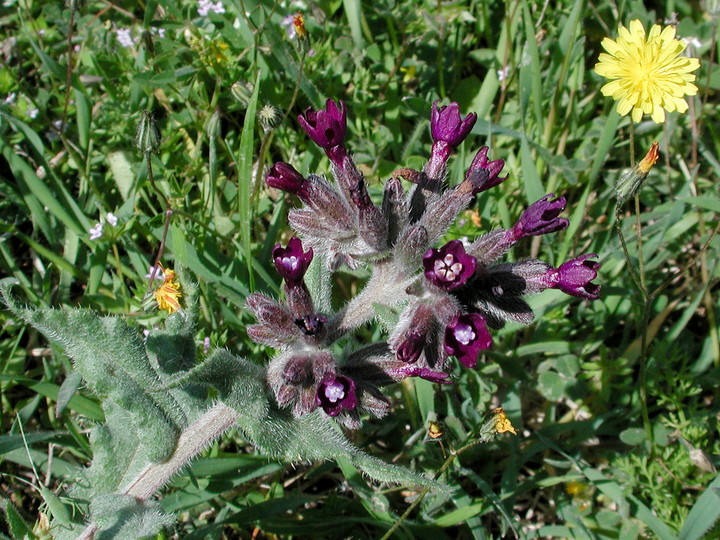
point(242, 91)
point(147, 135)
point(269, 117)
point(628, 184)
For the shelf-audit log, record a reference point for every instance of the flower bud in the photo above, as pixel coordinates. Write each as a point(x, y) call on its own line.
point(484, 174)
point(291, 262)
point(242, 91)
point(541, 217)
point(574, 277)
point(448, 126)
point(326, 127)
point(284, 177)
point(147, 135)
point(269, 117)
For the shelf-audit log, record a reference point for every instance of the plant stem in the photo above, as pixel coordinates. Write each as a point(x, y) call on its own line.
point(194, 439)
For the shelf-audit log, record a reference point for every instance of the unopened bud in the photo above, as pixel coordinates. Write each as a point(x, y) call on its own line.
point(242, 91)
point(147, 136)
point(631, 180)
point(269, 117)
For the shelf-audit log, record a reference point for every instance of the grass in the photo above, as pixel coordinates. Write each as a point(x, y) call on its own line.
point(598, 454)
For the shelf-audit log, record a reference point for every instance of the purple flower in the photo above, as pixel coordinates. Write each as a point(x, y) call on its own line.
point(484, 174)
point(574, 277)
point(291, 262)
point(541, 218)
point(447, 125)
point(465, 336)
point(311, 325)
point(411, 348)
point(325, 127)
point(284, 176)
point(449, 267)
point(335, 394)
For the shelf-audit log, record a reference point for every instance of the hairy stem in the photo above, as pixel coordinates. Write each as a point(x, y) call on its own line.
point(192, 441)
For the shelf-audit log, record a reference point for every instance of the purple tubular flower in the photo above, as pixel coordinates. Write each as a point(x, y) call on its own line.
point(574, 277)
point(336, 393)
point(411, 348)
point(447, 125)
point(484, 174)
point(465, 336)
point(326, 127)
point(291, 262)
point(311, 325)
point(284, 176)
point(541, 217)
point(449, 267)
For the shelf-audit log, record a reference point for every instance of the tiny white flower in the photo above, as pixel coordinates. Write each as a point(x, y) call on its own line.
point(692, 41)
point(160, 32)
point(206, 345)
point(124, 38)
point(32, 113)
point(158, 273)
point(10, 99)
point(96, 231)
point(111, 219)
point(218, 7)
point(503, 73)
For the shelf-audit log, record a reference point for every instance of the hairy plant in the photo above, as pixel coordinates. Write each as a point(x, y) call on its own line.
point(447, 300)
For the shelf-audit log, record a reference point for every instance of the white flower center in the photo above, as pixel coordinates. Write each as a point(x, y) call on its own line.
point(334, 392)
point(465, 334)
point(448, 268)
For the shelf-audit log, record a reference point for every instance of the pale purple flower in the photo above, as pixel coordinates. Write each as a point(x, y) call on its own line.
point(96, 231)
point(32, 113)
point(124, 37)
point(158, 274)
point(205, 7)
point(10, 99)
point(206, 345)
point(111, 218)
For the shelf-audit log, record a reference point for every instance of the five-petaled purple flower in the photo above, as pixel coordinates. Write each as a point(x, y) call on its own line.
point(284, 176)
point(291, 262)
point(541, 217)
point(574, 277)
point(326, 127)
point(447, 125)
point(336, 393)
point(465, 336)
point(483, 173)
point(449, 267)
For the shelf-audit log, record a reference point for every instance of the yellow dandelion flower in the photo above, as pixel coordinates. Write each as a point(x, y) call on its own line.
point(168, 293)
point(649, 76)
point(502, 423)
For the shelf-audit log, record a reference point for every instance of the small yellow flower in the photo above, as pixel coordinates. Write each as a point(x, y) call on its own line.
point(502, 424)
point(299, 24)
point(168, 293)
point(649, 76)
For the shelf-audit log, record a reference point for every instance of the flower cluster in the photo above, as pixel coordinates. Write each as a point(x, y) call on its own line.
point(448, 298)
